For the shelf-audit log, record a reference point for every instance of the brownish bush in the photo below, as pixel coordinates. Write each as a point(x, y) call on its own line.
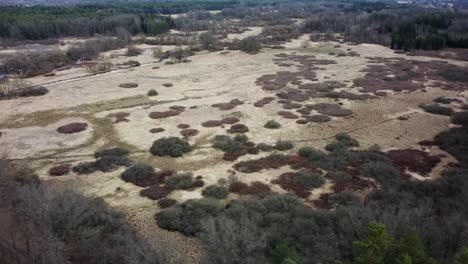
point(288, 115)
point(238, 128)
point(164, 114)
point(228, 106)
point(166, 203)
point(60, 170)
point(167, 84)
point(128, 85)
point(157, 130)
point(183, 126)
point(121, 117)
point(155, 192)
point(177, 108)
point(189, 132)
point(414, 160)
point(72, 128)
point(154, 179)
point(212, 123)
point(318, 118)
point(197, 183)
point(264, 101)
point(255, 188)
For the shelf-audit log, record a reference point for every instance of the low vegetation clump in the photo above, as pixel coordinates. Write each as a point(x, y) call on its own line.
point(460, 118)
point(137, 173)
point(155, 192)
point(265, 147)
point(23, 92)
point(309, 180)
point(114, 152)
point(152, 92)
point(133, 51)
point(437, 109)
point(170, 146)
point(339, 176)
point(257, 188)
point(272, 124)
point(60, 170)
point(180, 181)
point(188, 217)
point(166, 202)
point(215, 191)
point(168, 84)
point(311, 154)
point(85, 168)
point(228, 144)
point(128, 85)
point(72, 128)
point(283, 145)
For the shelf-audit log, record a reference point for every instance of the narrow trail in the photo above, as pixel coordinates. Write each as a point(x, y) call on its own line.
point(48, 157)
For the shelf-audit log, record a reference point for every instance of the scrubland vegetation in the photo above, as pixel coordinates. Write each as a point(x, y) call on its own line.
point(275, 159)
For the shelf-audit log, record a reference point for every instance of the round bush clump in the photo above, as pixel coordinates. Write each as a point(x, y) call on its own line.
point(264, 147)
point(309, 180)
point(311, 153)
point(166, 203)
point(114, 152)
point(137, 173)
point(272, 124)
point(460, 118)
point(215, 191)
point(59, 170)
point(283, 145)
point(85, 168)
point(170, 146)
point(339, 176)
point(128, 85)
point(72, 128)
point(155, 192)
point(167, 84)
point(152, 92)
point(179, 181)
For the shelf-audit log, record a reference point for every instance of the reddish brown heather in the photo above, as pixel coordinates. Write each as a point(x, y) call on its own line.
point(164, 114)
point(189, 132)
point(238, 128)
point(212, 123)
point(414, 160)
point(166, 203)
point(155, 192)
point(60, 170)
point(157, 130)
point(257, 188)
point(72, 128)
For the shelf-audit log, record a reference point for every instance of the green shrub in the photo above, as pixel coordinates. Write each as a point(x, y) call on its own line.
point(336, 146)
point(227, 144)
point(383, 172)
point(272, 124)
point(437, 109)
point(215, 191)
point(137, 173)
point(187, 217)
point(344, 199)
point(152, 92)
point(264, 147)
point(85, 168)
point(170, 146)
point(115, 152)
point(179, 181)
point(460, 118)
point(283, 145)
point(309, 180)
point(110, 163)
point(311, 153)
point(277, 156)
point(339, 176)
point(346, 139)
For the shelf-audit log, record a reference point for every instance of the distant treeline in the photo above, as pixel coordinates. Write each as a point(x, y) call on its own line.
point(43, 22)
